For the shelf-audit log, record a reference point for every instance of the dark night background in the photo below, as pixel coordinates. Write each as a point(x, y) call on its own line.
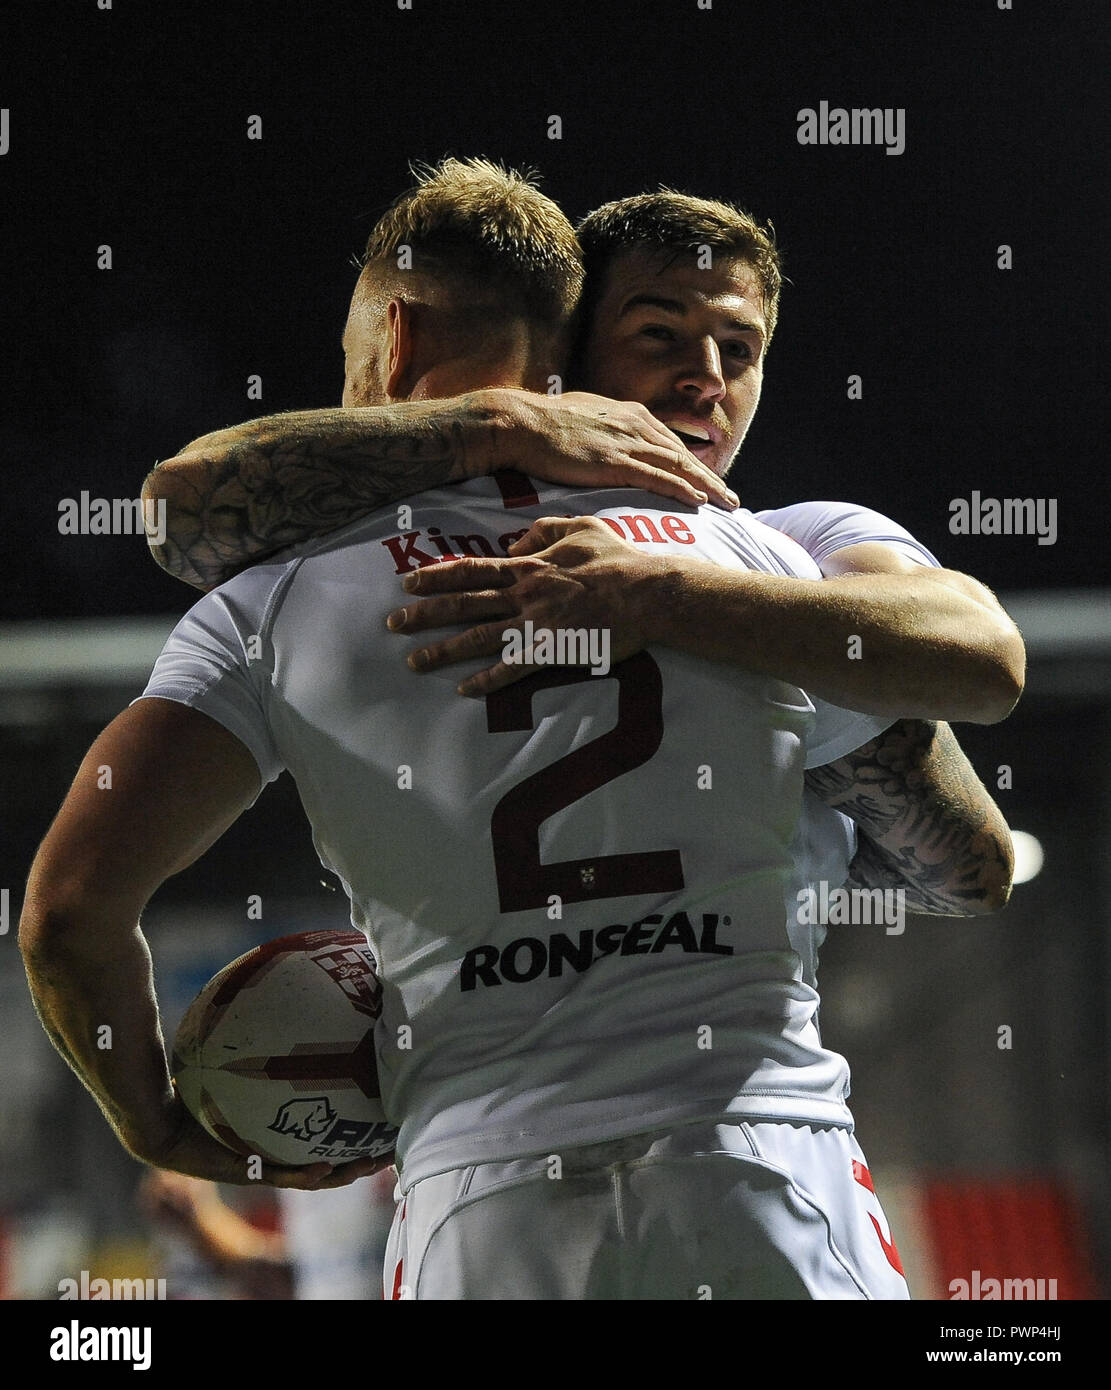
point(231, 256)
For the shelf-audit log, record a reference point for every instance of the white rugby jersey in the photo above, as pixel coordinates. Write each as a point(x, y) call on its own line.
point(825, 842)
point(822, 528)
point(576, 888)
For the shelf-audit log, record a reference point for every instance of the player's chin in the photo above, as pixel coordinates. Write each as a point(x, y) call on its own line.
point(719, 458)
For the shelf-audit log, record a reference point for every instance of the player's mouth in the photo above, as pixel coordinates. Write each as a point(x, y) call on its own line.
point(700, 438)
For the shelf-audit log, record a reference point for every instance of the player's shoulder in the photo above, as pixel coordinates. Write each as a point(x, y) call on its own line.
point(463, 498)
point(252, 587)
point(240, 605)
point(760, 545)
point(807, 516)
point(824, 527)
point(735, 539)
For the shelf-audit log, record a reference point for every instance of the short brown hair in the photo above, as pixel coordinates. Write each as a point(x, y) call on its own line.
point(677, 222)
point(492, 232)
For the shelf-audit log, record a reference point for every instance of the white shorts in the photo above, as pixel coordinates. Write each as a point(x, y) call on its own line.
point(768, 1210)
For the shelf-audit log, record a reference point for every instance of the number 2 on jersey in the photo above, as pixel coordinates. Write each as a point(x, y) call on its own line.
point(523, 881)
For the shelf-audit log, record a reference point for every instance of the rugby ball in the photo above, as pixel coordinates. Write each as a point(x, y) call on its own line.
point(275, 1056)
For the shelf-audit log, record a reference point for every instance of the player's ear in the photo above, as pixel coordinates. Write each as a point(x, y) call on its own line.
point(399, 318)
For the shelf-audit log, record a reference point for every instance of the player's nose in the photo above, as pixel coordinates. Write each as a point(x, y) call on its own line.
point(701, 374)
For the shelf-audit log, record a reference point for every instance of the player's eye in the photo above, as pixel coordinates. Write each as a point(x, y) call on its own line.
point(659, 331)
point(738, 349)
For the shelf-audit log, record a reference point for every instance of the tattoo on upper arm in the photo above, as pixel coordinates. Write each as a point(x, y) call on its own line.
point(927, 824)
point(284, 483)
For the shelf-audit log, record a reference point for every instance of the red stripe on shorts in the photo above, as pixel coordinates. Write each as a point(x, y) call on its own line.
point(395, 1297)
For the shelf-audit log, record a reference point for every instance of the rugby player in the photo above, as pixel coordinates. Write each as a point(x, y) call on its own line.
point(656, 1055)
point(931, 644)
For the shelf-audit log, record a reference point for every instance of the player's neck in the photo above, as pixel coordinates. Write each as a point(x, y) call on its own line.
point(459, 375)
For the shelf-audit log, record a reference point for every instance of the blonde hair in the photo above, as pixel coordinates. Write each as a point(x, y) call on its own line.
point(489, 231)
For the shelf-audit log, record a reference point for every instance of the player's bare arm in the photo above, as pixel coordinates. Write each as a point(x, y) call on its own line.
point(928, 824)
point(925, 647)
point(238, 495)
point(156, 789)
point(221, 1237)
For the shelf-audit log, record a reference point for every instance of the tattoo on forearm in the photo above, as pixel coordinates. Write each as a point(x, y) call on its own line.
point(929, 888)
point(296, 476)
point(926, 822)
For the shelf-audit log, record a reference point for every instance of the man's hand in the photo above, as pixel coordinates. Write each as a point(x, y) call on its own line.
point(582, 440)
point(238, 495)
point(566, 572)
point(189, 1149)
point(179, 779)
point(893, 638)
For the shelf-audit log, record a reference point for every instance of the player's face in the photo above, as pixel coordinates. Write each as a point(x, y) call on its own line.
point(685, 342)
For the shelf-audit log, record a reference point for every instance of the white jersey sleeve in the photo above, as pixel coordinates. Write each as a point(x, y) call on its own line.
point(217, 661)
point(823, 528)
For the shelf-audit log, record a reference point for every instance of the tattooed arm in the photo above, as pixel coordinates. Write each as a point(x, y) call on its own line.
point(927, 823)
point(236, 496)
